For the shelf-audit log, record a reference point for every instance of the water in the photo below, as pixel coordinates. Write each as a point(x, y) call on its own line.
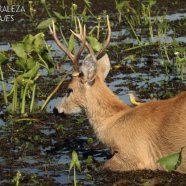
point(49, 155)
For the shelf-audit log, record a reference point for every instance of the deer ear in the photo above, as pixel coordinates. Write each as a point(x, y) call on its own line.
point(103, 66)
point(89, 68)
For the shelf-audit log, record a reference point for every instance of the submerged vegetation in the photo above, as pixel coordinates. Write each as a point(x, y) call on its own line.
point(147, 57)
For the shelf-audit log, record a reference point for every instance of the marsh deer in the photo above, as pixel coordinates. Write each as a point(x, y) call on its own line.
point(137, 136)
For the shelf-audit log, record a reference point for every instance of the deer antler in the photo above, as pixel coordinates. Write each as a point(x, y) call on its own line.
point(99, 53)
point(79, 36)
point(74, 58)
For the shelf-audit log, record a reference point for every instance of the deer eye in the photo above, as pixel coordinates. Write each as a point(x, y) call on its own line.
point(69, 90)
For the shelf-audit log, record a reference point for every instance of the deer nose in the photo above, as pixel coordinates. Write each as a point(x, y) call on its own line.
point(55, 111)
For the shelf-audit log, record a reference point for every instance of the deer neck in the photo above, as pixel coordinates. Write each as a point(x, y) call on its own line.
point(102, 104)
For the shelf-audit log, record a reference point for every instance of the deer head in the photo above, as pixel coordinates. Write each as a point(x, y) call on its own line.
point(93, 68)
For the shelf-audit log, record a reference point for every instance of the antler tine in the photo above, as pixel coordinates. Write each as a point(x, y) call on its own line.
point(82, 35)
point(80, 26)
point(83, 42)
point(74, 58)
point(79, 36)
point(58, 42)
point(107, 40)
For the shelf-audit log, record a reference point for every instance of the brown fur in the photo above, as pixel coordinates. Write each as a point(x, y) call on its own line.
point(137, 136)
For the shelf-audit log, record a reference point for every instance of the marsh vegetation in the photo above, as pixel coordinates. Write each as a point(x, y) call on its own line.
point(148, 56)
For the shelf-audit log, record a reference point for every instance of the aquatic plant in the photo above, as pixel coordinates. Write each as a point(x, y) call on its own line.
point(172, 161)
point(3, 60)
point(53, 92)
point(17, 178)
point(130, 15)
point(30, 56)
point(151, 25)
point(133, 19)
point(58, 17)
point(32, 10)
point(180, 60)
point(74, 11)
point(75, 163)
point(13, 2)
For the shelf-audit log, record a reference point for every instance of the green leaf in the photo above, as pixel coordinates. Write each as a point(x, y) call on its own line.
point(47, 58)
point(120, 5)
point(74, 156)
point(39, 42)
point(71, 43)
point(32, 73)
point(30, 63)
point(59, 16)
point(24, 81)
point(131, 57)
point(180, 49)
point(171, 161)
point(89, 160)
point(28, 43)
point(21, 63)
point(95, 44)
point(74, 7)
point(45, 24)
point(90, 140)
point(71, 165)
point(78, 165)
point(88, 3)
point(152, 2)
point(75, 161)
point(19, 49)
point(3, 58)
